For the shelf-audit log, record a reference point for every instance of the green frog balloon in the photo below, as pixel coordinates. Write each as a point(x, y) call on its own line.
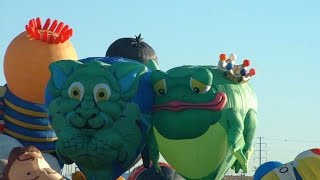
point(204, 121)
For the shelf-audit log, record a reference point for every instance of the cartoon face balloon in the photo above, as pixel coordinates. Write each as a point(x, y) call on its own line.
point(28, 163)
point(99, 109)
point(202, 118)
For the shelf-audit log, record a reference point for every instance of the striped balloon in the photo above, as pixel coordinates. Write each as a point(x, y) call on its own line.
point(28, 123)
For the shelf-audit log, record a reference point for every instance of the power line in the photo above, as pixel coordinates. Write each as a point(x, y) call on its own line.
point(291, 140)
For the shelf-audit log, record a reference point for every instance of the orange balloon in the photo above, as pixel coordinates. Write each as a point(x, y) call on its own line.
point(78, 176)
point(223, 57)
point(27, 60)
point(120, 178)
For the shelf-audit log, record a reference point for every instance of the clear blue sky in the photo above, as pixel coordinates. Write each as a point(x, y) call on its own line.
point(281, 38)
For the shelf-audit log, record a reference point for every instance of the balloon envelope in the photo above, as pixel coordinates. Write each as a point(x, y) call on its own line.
point(52, 161)
point(265, 168)
point(7, 143)
point(305, 166)
point(114, 98)
point(3, 163)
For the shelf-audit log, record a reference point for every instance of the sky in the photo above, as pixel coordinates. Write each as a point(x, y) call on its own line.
point(279, 37)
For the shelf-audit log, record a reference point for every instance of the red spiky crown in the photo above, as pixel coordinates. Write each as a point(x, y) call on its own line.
point(51, 33)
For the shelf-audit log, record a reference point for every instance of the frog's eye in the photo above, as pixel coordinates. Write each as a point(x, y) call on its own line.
point(198, 87)
point(76, 91)
point(101, 92)
point(160, 87)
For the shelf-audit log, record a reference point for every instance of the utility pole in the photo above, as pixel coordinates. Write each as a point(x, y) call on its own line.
point(260, 150)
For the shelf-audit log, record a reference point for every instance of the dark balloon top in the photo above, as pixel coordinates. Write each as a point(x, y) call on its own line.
point(132, 48)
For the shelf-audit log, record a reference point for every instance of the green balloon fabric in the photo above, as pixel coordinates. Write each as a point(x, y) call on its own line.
point(100, 109)
point(203, 122)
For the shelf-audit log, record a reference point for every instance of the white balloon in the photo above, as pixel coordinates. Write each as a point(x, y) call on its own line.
point(7, 143)
point(233, 57)
point(52, 161)
point(3, 163)
point(307, 153)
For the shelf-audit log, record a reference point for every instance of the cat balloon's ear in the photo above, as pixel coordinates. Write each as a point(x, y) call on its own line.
point(152, 65)
point(61, 70)
point(124, 72)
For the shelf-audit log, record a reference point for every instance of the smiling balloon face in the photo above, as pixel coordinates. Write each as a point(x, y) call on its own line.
point(28, 163)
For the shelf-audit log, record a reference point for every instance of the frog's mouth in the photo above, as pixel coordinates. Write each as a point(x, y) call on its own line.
point(216, 104)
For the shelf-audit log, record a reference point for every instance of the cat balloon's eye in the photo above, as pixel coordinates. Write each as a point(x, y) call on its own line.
point(198, 87)
point(160, 87)
point(101, 92)
point(76, 91)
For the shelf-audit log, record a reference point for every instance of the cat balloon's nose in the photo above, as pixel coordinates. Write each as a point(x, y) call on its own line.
point(88, 116)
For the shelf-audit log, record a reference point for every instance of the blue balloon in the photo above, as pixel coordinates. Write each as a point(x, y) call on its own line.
point(265, 168)
point(243, 72)
point(229, 66)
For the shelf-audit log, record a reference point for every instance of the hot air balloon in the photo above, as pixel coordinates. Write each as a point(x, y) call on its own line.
point(100, 110)
point(305, 166)
point(26, 68)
